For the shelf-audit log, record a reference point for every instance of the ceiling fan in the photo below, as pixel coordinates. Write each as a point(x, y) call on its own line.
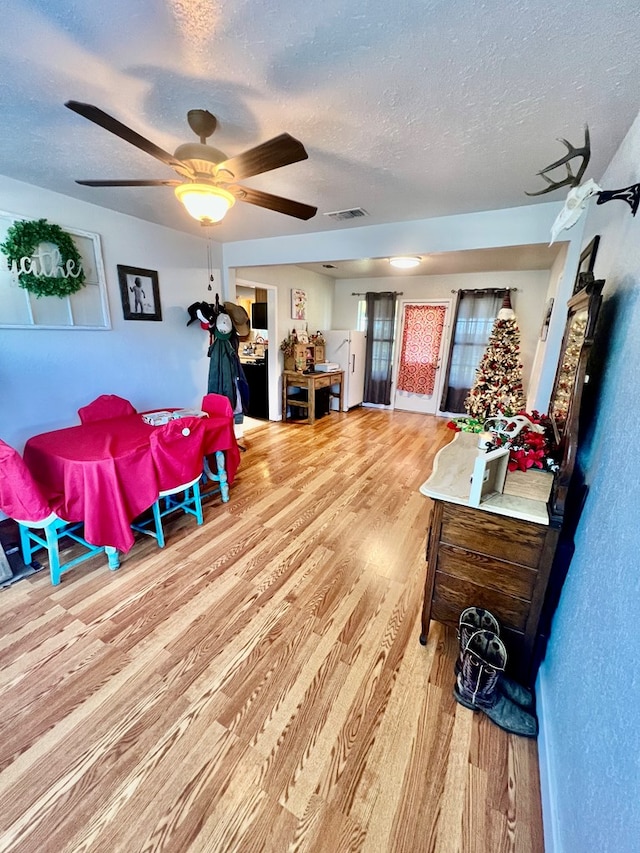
point(208, 187)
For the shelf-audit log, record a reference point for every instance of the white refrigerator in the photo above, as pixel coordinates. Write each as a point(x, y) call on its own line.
point(347, 348)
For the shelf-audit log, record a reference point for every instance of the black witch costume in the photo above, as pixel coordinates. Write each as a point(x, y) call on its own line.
point(225, 371)
point(226, 375)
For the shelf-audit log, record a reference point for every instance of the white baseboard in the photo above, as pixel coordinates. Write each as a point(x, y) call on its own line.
point(547, 771)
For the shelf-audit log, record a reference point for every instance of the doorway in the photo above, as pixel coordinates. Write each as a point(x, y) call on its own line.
point(271, 351)
point(424, 330)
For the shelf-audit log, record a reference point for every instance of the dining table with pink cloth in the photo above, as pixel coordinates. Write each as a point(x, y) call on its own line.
point(104, 473)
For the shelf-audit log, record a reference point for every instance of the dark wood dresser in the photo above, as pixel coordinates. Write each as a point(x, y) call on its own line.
point(479, 557)
point(510, 552)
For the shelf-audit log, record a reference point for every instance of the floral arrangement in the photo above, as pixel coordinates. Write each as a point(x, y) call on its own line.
point(288, 344)
point(529, 446)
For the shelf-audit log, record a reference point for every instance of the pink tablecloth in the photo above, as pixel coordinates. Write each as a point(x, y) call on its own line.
point(103, 473)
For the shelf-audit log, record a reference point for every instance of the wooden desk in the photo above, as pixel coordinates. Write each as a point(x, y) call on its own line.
point(311, 382)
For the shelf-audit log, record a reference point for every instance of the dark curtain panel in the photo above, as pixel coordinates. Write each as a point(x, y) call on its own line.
point(476, 312)
point(381, 315)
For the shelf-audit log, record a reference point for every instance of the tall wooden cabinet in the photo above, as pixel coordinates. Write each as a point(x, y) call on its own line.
point(510, 553)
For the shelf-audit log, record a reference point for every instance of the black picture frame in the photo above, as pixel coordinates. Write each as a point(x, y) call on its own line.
point(586, 264)
point(142, 303)
point(544, 330)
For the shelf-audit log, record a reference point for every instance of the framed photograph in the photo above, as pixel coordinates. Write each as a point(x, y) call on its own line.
point(298, 305)
point(489, 474)
point(140, 293)
point(547, 319)
point(586, 263)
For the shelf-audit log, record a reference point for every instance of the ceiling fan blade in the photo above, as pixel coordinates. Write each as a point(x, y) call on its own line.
point(99, 117)
point(274, 202)
point(131, 183)
point(279, 151)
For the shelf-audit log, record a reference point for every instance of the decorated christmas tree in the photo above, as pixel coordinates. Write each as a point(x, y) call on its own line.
point(498, 384)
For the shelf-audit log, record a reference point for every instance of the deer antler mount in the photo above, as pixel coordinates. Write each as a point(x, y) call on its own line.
point(570, 180)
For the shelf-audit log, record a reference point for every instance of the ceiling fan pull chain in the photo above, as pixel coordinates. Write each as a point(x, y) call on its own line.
point(209, 262)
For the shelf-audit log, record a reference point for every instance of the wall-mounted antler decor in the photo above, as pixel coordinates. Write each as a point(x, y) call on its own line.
point(571, 180)
point(579, 194)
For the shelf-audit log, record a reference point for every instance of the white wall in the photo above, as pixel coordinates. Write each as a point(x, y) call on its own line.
point(319, 290)
point(589, 684)
point(541, 379)
point(517, 226)
point(46, 375)
point(528, 301)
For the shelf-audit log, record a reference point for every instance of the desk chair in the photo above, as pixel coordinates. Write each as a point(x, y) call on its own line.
point(177, 453)
point(22, 500)
point(104, 407)
point(216, 404)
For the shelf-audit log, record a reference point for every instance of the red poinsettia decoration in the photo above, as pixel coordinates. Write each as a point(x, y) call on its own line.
point(531, 449)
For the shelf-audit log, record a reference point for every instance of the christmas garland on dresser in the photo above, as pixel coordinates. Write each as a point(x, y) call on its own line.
point(24, 237)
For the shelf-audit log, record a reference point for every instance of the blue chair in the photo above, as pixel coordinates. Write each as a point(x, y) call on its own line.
point(39, 526)
point(219, 405)
point(177, 452)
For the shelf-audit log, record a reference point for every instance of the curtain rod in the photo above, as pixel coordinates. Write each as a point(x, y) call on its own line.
point(395, 293)
point(485, 290)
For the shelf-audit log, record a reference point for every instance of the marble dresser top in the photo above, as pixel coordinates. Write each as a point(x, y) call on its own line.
point(525, 493)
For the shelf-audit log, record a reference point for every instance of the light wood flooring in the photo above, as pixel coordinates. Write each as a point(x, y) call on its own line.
point(258, 684)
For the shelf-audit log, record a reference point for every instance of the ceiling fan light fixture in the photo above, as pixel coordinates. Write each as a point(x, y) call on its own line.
point(404, 263)
point(205, 202)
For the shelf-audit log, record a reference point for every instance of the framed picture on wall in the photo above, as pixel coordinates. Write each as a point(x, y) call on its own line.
point(586, 263)
point(140, 293)
point(87, 308)
point(547, 319)
point(298, 305)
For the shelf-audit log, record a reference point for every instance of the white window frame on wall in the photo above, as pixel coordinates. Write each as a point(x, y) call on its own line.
point(90, 250)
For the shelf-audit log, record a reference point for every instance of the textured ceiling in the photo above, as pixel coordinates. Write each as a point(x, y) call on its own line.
point(410, 110)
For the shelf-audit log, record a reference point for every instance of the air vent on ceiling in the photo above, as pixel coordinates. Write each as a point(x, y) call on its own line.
point(353, 213)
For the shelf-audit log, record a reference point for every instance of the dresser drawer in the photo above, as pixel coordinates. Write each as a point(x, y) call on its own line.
point(495, 535)
point(508, 578)
point(324, 381)
point(452, 595)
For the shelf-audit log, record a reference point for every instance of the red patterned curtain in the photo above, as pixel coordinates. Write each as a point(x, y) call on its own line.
point(421, 337)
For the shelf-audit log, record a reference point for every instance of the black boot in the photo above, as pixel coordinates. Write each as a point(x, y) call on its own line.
point(476, 619)
point(484, 658)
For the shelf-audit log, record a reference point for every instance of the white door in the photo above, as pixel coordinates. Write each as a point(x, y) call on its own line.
point(418, 371)
point(357, 356)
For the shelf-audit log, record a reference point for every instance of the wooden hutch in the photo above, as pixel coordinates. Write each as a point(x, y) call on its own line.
point(304, 357)
point(504, 554)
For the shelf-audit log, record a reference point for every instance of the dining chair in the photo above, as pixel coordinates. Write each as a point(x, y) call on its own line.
point(104, 407)
point(219, 405)
point(176, 448)
point(22, 500)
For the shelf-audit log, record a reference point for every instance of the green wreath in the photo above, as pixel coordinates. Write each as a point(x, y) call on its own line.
point(23, 238)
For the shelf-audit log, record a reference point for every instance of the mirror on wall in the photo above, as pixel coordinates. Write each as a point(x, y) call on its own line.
point(571, 375)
